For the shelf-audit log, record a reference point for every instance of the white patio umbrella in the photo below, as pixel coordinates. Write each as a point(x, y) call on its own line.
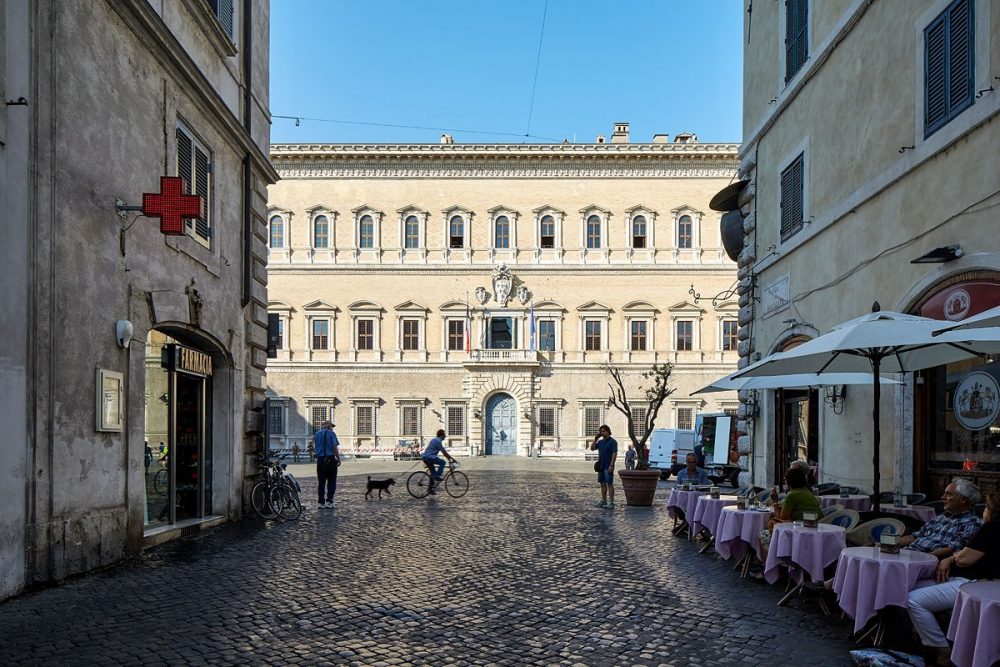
point(875, 343)
point(797, 381)
point(987, 318)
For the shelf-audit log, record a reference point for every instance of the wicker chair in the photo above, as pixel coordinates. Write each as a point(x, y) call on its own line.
point(869, 532)
point(830, 509)
point(828, 489)
point(846, 519)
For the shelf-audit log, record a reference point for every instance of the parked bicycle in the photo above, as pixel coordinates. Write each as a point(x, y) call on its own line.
point(421, 482)
point(276, 495)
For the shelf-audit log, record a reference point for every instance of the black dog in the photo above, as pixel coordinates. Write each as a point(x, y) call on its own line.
point(380, 484)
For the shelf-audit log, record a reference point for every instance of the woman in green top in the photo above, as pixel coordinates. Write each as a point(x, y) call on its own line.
point(799, 499)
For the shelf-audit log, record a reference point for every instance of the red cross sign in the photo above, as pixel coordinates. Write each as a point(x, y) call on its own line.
point(172, 206)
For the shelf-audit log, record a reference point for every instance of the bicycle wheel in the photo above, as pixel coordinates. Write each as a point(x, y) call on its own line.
point(285, 503)
point(419, 484)
point(160, 482)
point(261, 502)
point(456, 484)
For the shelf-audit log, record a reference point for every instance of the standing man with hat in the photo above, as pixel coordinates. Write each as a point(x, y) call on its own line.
point(327, 461)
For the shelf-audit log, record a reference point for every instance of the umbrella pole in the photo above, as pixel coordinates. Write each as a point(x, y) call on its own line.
point(876, 440)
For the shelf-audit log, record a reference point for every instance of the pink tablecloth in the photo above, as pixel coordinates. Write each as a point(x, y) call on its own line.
point(737, 531)
point(921, 512)
point(868, 580)
point(685, 500)
point(856, 503)
point(974, 624)
point(806, 549)
point(707, 511)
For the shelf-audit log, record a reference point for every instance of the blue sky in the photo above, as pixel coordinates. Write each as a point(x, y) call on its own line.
point(663, 65)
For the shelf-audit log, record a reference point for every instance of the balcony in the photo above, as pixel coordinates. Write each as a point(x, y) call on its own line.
point(502, 357)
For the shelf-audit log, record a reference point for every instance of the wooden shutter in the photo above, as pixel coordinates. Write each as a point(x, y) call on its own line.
point(949, 65)
point(935, 61)
point(225, 11)
point(961, 56)
point(796, 36)
point(184, 162)
point(791, 197)
point(201, 184)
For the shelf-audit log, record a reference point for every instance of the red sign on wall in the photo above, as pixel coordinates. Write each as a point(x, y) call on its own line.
point(962, 300)
point(172, 206)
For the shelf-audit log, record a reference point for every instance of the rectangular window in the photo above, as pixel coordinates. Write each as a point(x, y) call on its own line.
point(456, 420)
point(411, 420)
point(593, 232)
point(276, 419)
point(321, 334)
point(949, 65)
point(639, 422)
point(591, 421)
point(279, 343)
point(547, 232)
point(547, 335)
point(366, 334)
point(638, 336)
point(685, 418)
point(365, 420)
point(730, 328)
point(194, 165)
point(456, 234)
point(456, 335)
point(501, 232)
point(792, 192)
point(366, 232)
point(592, 335)
point(685, 232)
point(547, 422)
point(639, 232)
point(412, 232)
point(685, 335)
point(796, 36)
point(318, 415)
point(411, 334)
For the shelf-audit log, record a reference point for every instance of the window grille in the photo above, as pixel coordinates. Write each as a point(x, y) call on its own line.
point(365, 420)
point(319, 415)
point(685, 418)
point(456, 420)
point(276, 419)
point(591, 421)
point(547, 422)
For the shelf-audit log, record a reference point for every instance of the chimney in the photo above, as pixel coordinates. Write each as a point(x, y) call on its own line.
point(685, 138)
point(447, 139)
point(661, 138)
point(620, 135)
point(600, 139)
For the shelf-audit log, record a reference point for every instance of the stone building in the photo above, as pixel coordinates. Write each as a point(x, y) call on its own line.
point(115, 334)
point(483, 288)
point(871, 179)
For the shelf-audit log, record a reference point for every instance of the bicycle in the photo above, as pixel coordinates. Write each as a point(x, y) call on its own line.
point(277, 493)
point(420, 483)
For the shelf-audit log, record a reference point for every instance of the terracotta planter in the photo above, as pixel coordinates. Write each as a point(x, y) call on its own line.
point(639, 486)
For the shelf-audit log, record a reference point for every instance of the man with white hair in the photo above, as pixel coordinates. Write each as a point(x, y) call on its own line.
point(949, 533)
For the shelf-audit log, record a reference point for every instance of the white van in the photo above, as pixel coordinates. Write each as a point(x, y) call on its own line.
point(665, 444)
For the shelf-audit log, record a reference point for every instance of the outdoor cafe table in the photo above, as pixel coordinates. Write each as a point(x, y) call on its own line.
point(736, 533)
point(808, 550)
point(975, 622)
point(855, 502)
point(868, 580)
point(707, 511)
point(920, 512)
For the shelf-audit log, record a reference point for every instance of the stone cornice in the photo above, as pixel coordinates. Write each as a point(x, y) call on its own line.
point(356, 151)
point(727, 270)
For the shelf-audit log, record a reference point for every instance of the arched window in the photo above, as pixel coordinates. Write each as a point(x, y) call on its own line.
point(321, 232)
point(547, 232)
point(684, 231)
point(411, 232)
point(501, 232)
point(639, 231)
point(277, 231)
point(594, 232)
point(456, 232)
point(366, 232)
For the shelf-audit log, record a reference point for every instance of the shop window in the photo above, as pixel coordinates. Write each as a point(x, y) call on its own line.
point(547, 422)
point(411, 334)
point(456, 232)
point(593, 232)
point(685, 232)
point(501, 232)
point(321, 232)
point(547, 335)
point(638, 336)
point(456, 335)
point(277, 232)
point(456, 420)
point(194, 165)
point(685, 418)
point(796, 36)
point(411, 232)
point(321, 334)
point(366, 334)
point(949, 65)
point(592, 335)
point(685, 335)
point(730, 329)
point(639, 231)
point(547, 232)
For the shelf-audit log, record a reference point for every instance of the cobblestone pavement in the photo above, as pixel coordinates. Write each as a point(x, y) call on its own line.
point(522, 571)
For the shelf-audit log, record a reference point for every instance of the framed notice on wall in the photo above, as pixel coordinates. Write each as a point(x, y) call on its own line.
point(109, 401)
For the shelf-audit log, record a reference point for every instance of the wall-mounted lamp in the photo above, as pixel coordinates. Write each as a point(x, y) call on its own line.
point(752, 406)
point(834, 396)
point(477, 413)
point(940, 255)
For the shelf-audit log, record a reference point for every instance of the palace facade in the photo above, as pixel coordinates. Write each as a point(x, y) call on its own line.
point(484, 289)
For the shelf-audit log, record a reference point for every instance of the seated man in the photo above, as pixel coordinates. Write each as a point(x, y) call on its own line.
point(692, 473)
point(979, 560)
point(431, 459)
point(946, 534)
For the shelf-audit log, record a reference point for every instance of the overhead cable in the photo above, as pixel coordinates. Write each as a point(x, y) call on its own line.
point(538, 60)
point(526, 135)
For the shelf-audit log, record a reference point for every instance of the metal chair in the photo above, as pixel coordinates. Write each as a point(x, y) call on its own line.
point(830, 509)
point(828, 489)
point(886, 497)
point(853, 490)
point(869, 532)
point(846, 519)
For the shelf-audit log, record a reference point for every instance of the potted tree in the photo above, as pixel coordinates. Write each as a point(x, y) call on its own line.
point(640, 484)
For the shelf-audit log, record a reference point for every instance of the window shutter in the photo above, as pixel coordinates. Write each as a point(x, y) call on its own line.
point(796, 36)
point(225, 12)
point(934, 74)
point(184, 149)
point(791, 198)
point(961, 55)
point(949, 65)
point(201, 225)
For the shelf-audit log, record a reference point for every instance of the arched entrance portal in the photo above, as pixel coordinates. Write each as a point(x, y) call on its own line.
point(501, 425)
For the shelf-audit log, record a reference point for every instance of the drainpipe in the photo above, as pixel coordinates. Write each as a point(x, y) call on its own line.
point(247, 172)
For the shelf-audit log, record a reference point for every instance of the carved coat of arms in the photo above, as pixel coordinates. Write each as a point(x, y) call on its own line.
point(502, 283)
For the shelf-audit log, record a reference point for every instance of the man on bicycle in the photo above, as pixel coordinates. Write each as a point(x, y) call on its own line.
point(431, 459)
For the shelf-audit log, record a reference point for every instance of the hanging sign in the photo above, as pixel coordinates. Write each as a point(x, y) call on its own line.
point(977, 401)
point(186, 360)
